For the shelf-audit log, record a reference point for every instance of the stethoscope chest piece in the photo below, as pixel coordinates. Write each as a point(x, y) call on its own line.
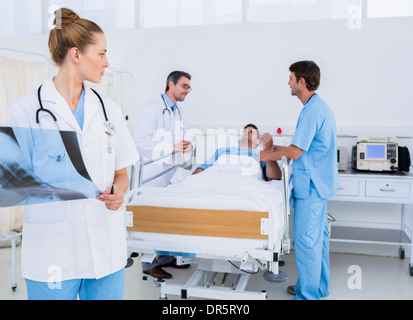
point(110, 129)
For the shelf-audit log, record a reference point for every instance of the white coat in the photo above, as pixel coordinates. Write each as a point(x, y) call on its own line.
point(155, 134)
point(76, 239)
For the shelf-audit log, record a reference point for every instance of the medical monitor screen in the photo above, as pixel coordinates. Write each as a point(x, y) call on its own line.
point(376, 151)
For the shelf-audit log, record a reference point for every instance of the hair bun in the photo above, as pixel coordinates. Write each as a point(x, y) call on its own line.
point(70, 31)
point(66, 16)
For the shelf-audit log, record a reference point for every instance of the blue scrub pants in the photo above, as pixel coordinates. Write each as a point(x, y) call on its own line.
point(107, 288)
point(312, 246)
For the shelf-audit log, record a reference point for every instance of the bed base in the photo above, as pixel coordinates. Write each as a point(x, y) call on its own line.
point(184, 221)
point(204, 283)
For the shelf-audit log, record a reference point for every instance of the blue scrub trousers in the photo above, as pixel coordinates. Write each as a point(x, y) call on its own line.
point(107, 288)
point(312, 246)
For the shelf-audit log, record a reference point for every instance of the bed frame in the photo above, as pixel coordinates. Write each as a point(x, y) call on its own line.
point(210, 223)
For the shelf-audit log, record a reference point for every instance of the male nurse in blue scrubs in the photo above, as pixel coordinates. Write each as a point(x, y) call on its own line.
point(314, 151)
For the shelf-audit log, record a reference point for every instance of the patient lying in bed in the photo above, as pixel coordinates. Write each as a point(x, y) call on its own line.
point(248, 146)
point(233, 182)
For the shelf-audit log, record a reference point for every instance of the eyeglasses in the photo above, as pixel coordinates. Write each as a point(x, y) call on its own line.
point(185, 86)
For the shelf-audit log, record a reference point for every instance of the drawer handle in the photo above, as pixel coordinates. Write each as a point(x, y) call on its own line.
point(387, 190)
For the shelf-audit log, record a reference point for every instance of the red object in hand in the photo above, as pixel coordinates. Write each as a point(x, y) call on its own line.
point(279, 131)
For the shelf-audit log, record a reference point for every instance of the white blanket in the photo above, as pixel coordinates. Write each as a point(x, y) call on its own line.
point(230, 184)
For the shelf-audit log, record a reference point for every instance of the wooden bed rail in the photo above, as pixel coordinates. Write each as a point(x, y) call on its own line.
point(198, 222)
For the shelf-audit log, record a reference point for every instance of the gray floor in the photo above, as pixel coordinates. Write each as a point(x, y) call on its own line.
point(373, 278)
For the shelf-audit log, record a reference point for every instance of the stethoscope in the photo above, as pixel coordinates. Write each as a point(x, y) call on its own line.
point(110, 128)
point(167, 109)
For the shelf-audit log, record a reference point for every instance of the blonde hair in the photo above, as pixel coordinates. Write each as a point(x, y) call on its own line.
point(70, 32)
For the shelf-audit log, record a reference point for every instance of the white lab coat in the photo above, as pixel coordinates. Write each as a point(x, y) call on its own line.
point(155, 134)
point(76, 239)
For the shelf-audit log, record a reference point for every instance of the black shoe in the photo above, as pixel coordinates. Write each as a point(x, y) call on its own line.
point(291, 290)
point(158, 273)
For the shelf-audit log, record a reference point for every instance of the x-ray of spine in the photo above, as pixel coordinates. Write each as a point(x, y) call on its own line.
point(40, 166)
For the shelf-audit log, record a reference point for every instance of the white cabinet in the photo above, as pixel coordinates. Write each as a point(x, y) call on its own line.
point(376, 188)
point(348, 187)
point(388, 189)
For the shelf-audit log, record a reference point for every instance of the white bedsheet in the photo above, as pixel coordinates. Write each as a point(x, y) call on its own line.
point(233, 183)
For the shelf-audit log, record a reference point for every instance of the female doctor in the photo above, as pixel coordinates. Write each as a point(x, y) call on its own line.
point(77, 248)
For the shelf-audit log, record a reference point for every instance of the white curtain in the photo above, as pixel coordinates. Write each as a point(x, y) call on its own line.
point(17, 78)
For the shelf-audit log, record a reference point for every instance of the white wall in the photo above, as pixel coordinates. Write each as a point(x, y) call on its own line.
point(240, 71)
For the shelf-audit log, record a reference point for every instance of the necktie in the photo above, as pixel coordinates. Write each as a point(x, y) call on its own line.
point(173, 109)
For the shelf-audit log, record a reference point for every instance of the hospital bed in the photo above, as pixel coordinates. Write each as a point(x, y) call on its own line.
point(224, 219)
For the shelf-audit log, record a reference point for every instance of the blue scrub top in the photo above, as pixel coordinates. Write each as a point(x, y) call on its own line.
point(316, 135)
point(80, 110)
point(169, 102)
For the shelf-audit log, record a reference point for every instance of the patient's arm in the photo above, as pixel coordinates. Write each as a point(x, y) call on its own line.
point(273, 170)
point(198, 170)
point(290, 152)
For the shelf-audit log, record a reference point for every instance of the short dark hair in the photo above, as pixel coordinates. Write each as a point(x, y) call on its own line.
point(253, 126)
point(175, 76)
point(309, 71)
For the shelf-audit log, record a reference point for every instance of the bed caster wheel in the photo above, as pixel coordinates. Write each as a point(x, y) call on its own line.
point(411, 270)
point(129, 263)
point(275, 278)
point(281, 263)
point(14, 288)
point(401, 253)
point(264, 292)
point(134, 255)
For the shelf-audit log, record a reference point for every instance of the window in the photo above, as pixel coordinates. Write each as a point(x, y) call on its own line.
point(108, 14)
point(165, 13)
point(389, 8)
point(294, 10)
point(20, 17)
point(26, 17)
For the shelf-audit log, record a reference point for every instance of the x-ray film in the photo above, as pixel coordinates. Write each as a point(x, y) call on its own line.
point(41, 166)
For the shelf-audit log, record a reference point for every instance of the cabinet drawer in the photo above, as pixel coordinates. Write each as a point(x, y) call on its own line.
point(348, 188)
point(388, 190)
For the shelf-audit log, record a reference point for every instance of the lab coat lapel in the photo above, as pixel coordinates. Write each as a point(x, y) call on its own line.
point(54, 101)
point(92, 106)
point(174, 120)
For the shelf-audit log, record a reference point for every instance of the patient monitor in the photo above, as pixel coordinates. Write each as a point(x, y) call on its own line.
point(375, 154)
